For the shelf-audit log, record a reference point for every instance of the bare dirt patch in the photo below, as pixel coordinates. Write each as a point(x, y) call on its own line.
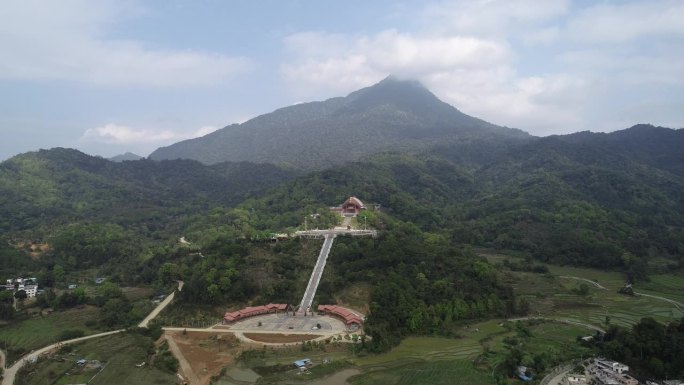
point(206, 353)
point(280, 338)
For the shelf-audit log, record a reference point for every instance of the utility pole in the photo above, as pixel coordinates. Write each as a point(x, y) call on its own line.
point(364, 222)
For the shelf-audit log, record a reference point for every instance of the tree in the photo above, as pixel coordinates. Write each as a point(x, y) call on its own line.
point(20, 295)
point(583, 290)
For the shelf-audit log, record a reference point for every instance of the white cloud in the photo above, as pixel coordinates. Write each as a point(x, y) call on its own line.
point(363, 60)
point(492, 18)
point(475, 74)
point(118, 134)
point(627, 21)
point(546, 67)
point(206, 130)
point(67, 40)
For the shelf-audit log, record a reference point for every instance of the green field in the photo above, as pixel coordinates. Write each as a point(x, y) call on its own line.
point(428, 373)
point(118, 353)
point(37, 332)
point(665, 285)
point(425, 360)
point(556, 297)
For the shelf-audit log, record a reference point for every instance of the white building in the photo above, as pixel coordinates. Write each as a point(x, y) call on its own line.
point(607, 372)
point(575, 379)
point(30, 290)
point(612, 366)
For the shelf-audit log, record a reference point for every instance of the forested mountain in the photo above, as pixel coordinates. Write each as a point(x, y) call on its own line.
point(60, 186)
point(585, 199)
point(391, 115)
point(614, 201)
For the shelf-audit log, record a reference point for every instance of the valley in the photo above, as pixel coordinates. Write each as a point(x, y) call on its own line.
point(471, 250)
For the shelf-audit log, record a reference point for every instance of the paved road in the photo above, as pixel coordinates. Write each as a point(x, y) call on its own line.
point(11, 372)
point(160, 307)
point(598, 285)
point(557, 375)
point(317, 272)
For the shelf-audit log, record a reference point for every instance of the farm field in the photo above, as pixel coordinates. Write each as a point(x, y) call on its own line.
point(553, 296)
point(665, 285)
point(34, 333)
point(118, 354)
point(436, 372)
point(425, 360)
point(23, 336)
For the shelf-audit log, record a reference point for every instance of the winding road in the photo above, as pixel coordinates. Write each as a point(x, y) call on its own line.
point(11, 372)
point(677, 304)
point(598, 285)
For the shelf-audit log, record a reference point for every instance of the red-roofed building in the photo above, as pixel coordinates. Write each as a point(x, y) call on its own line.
point(352, 205)
point(347, 316)
point(252, 311)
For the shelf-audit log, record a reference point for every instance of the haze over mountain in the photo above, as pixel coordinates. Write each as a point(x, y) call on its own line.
point(125, 156)
point(390, 115)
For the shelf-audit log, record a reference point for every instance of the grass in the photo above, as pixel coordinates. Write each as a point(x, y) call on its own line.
point(119, 353)
point(432, 360)
point(665, 285)
point(428, 373)
point(34, 333)
point(21, 337)
point(552, 296)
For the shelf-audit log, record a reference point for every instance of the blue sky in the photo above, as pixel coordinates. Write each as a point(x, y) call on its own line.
point(112, 76)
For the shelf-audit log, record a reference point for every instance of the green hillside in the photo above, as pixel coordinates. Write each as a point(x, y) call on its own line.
point(558, 198)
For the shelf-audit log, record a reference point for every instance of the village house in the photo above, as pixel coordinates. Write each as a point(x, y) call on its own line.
point(575, 379)
point(29, 285)
point(606, 372)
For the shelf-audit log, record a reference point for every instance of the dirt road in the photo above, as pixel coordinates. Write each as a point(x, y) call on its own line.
point(184, 364)
point(11, 372)
point(598, 285)
point(678, 305)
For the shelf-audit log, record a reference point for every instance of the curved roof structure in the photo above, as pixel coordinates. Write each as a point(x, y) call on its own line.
point(355, 201)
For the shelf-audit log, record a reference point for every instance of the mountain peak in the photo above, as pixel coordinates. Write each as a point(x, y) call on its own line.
point(393, 114)
point(394, 79)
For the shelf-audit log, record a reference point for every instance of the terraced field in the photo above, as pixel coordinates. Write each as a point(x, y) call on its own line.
point(425, 360)
point(556, 297)
point(432, 373)
point(665, 285)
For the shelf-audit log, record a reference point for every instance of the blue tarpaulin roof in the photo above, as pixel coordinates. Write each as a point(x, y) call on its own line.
point(302, 363)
